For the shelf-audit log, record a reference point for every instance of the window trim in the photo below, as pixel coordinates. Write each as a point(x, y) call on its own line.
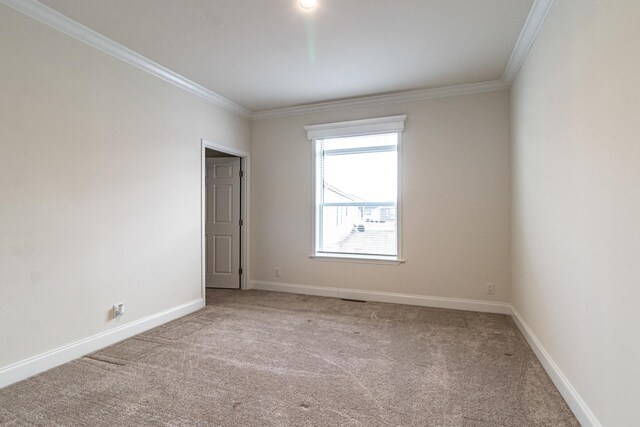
point(380, 125)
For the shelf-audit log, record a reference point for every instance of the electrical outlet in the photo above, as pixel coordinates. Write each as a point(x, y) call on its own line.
point(491, 288)
point(118, 310)
point(278, 272)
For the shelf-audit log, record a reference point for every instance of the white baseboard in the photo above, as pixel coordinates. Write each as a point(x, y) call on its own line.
point(579, 407)
point(396, 298)
point(45, 361)
point(568, 392)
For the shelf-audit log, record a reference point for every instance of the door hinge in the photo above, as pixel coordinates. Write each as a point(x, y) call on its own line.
point(241, 223)
point(241, 174)
point(239, 271)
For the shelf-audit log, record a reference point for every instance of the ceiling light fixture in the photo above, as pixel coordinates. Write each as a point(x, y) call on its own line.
point(308, 4)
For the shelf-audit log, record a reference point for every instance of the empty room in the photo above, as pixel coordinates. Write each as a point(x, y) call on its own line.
point(320, 213)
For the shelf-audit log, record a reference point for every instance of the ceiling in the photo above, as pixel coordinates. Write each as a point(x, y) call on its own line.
point(268, 54)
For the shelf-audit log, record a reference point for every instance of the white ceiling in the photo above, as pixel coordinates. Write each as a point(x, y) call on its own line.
point(267, 54)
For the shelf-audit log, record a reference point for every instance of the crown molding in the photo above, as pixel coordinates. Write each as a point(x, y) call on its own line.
point(367, 101)
point(60, 22)
point(539, 11)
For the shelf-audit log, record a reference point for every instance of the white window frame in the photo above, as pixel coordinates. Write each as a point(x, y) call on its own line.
point(380, 125)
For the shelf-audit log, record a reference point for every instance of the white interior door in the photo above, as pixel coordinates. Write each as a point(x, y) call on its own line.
point(222, 226)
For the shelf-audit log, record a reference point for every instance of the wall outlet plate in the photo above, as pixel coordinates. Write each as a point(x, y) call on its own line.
point(491, 288)
point(118, 310)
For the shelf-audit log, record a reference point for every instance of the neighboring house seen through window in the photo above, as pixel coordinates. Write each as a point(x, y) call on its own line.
point(356, 188)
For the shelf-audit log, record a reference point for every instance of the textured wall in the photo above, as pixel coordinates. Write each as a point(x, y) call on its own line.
point(99, 188)
point(576, 204)
point(455, 160)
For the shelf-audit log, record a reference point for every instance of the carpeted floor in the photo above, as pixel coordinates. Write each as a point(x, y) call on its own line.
point(254, 358)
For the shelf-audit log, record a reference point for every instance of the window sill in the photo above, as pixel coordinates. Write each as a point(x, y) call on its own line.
point(358, 259)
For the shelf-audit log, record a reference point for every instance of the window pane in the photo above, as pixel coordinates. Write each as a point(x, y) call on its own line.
point(365, 177)
point(356, 195)
point(361, 230)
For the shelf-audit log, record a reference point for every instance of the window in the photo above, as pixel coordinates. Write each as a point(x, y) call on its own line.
point(356, 189)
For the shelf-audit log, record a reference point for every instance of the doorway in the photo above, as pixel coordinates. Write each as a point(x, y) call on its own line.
point(224, 190)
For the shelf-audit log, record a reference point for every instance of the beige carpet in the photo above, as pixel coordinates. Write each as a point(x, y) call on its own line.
point(257, 358)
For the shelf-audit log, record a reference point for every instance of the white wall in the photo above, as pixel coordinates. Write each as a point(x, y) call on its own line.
point(456, 172)
point(576, 206)
point(99, 188)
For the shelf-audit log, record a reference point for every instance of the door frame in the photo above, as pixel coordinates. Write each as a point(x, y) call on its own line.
point(245, 183)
